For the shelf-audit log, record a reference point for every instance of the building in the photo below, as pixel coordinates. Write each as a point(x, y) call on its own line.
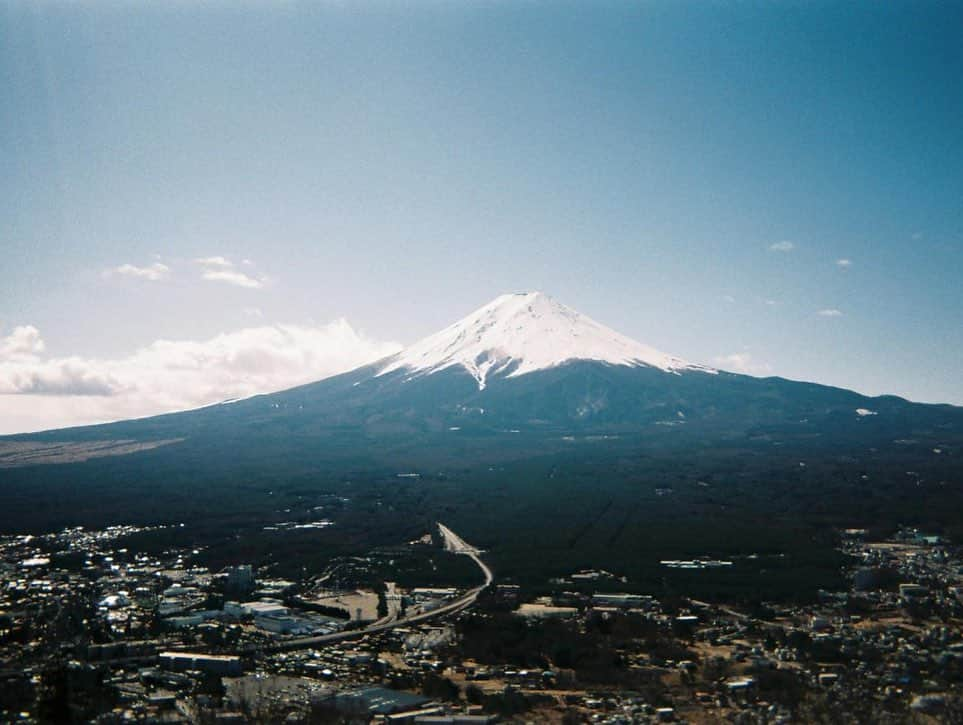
point(378, 701)
point(819, 624)
point(286, 624)
point(541, 611)
point(909, 592)
point(626, 601)
point(216, 664)
point(433, 593)
point(268, 608)
point(194, 618)
point(240, 578)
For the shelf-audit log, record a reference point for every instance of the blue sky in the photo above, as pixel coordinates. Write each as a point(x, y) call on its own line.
point(690, 174)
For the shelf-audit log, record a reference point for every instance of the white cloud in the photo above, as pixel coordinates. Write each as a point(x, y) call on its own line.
point(830, 312)
point(742, 362)
point(232, 276)
point(844, 262)
point(221, 269)
point(154, 272)
point(215, 261)
point(23, 342)
point(37, 392)
point(23, 370)
point(728, 298)
point(783, 246)
point(64, 376)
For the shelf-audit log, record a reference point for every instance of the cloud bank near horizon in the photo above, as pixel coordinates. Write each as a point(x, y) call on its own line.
point(39, 392)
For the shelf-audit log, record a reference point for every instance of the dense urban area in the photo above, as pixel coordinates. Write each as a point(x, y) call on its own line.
point(92, 629)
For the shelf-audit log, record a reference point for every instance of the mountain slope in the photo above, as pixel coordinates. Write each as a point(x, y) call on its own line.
point(527, 365)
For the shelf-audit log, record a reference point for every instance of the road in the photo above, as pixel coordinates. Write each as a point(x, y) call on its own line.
point(457, 545)
point(454, 544)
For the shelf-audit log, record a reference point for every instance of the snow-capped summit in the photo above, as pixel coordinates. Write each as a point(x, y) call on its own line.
point(517, 334)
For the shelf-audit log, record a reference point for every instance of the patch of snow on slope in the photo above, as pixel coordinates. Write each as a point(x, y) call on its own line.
point(517, 334)
point(863, 412)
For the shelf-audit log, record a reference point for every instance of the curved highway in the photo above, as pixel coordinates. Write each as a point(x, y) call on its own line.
point(454, 544)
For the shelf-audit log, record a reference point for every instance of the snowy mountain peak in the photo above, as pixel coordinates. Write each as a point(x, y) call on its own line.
point(515, 334)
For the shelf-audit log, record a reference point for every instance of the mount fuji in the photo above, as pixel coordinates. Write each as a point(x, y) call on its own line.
point(539, 431)
point(525, 365)
point(523, 333)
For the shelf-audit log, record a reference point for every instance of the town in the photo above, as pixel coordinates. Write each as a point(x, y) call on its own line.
point(93, 630)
